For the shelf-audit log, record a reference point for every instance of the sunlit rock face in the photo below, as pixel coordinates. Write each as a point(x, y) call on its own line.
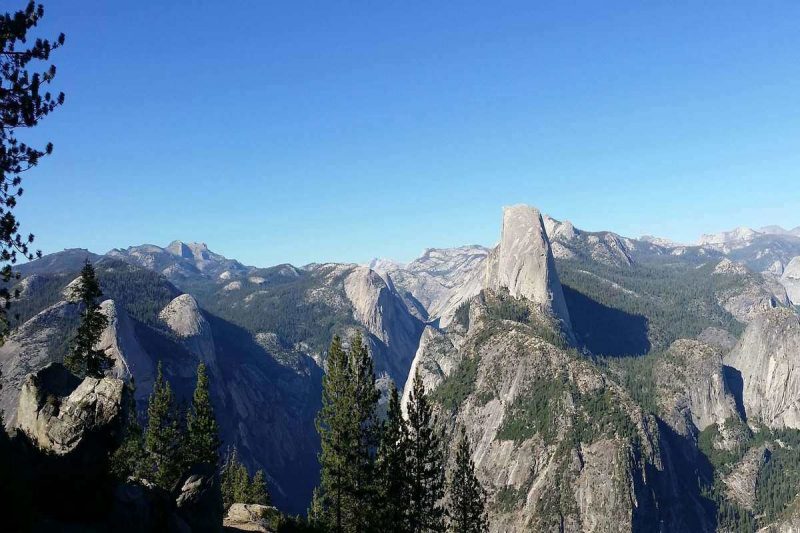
point(523, 263)
point(766, 357)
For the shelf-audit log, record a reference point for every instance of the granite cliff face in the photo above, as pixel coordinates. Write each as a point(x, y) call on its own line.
point(791, 280)
point(692, 390)
point(766, 358)
point(185, 320)
point(378, 307)
point(524, 264)
point(435, 359)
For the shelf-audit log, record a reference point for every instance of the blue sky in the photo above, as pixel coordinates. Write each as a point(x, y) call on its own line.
point(338, 131)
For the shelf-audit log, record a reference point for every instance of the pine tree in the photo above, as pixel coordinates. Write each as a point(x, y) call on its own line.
point(425, 464)
point(338, 427)
point(24, 101)
point(316, 512)
point(391, 466)
point(202, 431)
point(239, 487)
point(366, 413)
point(257, 491)
point(231, 472)
point(163, 438)
point(84, 359)
point(467, 510)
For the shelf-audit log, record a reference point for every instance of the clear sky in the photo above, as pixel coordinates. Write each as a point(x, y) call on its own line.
point(307, 131)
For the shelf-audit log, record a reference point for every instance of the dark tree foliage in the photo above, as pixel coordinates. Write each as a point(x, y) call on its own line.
point(258, 492)
point(368, 436)
point(467, 510)
point(338, 432)
point(130, 459)
point(84, 359)
point(425, 460)
point(164, 440)
point(673, 300)
point(348, 428)
point(239, 487)
point(391, 466)
point(24, 101)
point(202, 442)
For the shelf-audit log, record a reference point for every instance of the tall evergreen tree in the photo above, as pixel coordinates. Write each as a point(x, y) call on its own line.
point(339, 433)
point(24, 101)
point(239, 487)
point(202, 431)
point(83, 359)
point(258, 492)
point(163, 438)
point(366, 413)
point(391, 466)
point(467, 509)
point(234, 480)
point(317, 518)
point(425, 464)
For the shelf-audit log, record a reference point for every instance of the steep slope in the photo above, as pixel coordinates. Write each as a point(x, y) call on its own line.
point(394, 331)
point(30, 347)
point(558, 445)
point(692, 392)
point(766, 359)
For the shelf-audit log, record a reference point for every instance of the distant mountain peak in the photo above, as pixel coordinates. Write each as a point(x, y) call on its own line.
point(742, 233)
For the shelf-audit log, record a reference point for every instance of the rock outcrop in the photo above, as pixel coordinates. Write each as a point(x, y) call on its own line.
point(57, 412)
point(120, 344)
point(523, 263)
point(692, 391)
point(436, 358)
point(198, 500)
point(185, 319)
point(791, 280)
point(766, 358)
point(30, 348)
point(741, 482)
point(251, 517)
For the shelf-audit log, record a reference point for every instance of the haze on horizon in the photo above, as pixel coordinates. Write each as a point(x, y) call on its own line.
point(299, 133)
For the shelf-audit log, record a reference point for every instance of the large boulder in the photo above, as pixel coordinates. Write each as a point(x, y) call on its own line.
point(58, 412)
point(198, 499)
point(252, 517)
point(65, 430)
